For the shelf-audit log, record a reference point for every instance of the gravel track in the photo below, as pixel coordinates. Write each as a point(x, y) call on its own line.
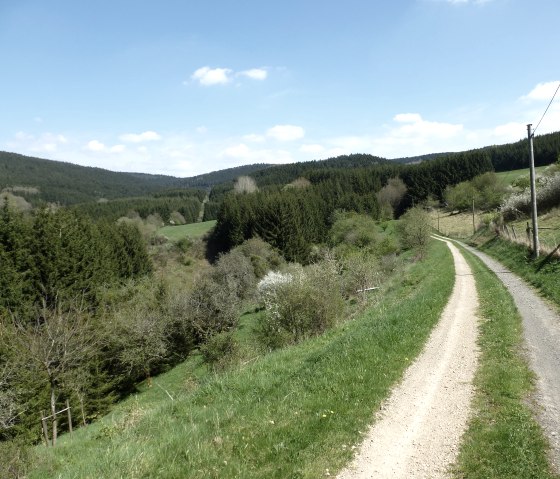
point(418, 430)
point(541, 328)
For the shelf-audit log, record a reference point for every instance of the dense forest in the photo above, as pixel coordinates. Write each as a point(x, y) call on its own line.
point(187, 203)
point(294, 218)
point(60, 182)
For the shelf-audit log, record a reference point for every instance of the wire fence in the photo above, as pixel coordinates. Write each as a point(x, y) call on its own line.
point(547, 246)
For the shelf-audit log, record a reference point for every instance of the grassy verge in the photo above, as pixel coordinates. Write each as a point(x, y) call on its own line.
point(192, 230)
point(503, 440)
point(294, 413)
point(543, 273)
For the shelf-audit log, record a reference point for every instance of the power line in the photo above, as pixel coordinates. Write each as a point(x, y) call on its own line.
point(535, 130)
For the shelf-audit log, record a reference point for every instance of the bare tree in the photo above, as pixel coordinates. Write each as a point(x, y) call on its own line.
point(139, 334)
point(245, 184)
point(8, 397)
point(51, 346)
point(391, 194)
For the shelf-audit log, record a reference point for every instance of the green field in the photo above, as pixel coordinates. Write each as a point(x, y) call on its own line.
point(193, 230)
point(509, 176)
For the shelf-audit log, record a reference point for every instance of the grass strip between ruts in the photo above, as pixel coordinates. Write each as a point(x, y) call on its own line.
point(503, 439)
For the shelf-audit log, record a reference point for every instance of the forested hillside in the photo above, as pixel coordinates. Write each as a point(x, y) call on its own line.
point(173, 206)
point(207, 180)
point(292, 219)
point(65, 183)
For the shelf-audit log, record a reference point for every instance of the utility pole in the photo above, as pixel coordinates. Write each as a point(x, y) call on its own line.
point(533, 194)
point(473, 224)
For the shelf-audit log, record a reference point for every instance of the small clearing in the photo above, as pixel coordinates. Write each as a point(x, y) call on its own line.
point(418, 430)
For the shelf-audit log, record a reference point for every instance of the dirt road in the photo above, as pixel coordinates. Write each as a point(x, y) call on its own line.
point(541, 327)
point(418, 431)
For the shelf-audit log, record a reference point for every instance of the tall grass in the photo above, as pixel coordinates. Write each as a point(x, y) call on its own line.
point(503, 439)
point(295, 413)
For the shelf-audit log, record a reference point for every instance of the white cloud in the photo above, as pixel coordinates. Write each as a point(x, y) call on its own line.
point(542, 92)
point(117, 149)
point(407, 118)
point(314, 149)
point(237, 151)
point(95, 145)
point(286, 132)
point(140, 137)
point(207, 76)
point(254, 138)
point(201, 130)
point(212, 76)
point(255, 74)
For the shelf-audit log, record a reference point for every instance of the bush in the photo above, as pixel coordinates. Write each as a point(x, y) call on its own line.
point(234, 271)
point(414, 230)
point(486, 190)
point(219, 350)
point(353, 229)
point(212, 307)
point(360, 272)
point(262, 255)
point(548, 197)
point(299, 303)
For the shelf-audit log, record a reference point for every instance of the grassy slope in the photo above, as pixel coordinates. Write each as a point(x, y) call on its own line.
point(293, 413)
point(193, 230)
point(503, 440)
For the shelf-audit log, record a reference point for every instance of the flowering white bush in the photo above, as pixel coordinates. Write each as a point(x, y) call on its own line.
point(268, 289)
point(548, 196)
point(299, 303)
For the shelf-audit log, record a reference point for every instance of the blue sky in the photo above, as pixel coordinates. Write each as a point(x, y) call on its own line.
point(181, 87)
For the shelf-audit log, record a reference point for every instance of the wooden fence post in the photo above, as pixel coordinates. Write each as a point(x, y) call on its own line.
point(69, 417)
point(45, 428)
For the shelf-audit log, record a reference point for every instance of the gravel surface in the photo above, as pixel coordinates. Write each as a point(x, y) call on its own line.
point(418, 430)
point(541, 327)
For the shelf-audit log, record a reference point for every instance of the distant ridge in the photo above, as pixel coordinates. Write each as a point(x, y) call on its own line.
point(67, 183)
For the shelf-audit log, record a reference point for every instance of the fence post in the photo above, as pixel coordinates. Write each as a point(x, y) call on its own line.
point(45, 428)
point(69, 417)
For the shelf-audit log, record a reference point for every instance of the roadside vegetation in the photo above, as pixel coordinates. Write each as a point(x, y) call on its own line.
point(294, 412)
point(503, 439)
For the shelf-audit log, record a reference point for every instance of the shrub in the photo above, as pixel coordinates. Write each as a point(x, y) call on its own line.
point(548, 197)
point(234, 271)
point(299, 303)
point(212, 307)
point(262, 255)
point(360, 272)
point(414, 230)
point(219, 350)
point(177, 218)
point(353, 229)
